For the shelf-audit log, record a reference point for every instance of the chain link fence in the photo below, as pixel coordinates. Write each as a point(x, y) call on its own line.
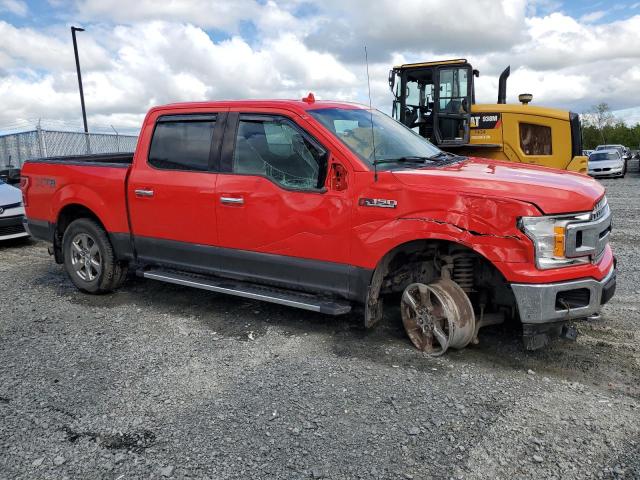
point(15, 148)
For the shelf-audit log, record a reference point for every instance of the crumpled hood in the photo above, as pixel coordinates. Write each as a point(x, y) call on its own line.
point(9, 195)
point(553, 191)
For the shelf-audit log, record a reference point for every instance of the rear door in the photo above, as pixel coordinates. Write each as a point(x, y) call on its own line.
point(171, 189)
point(275, 214)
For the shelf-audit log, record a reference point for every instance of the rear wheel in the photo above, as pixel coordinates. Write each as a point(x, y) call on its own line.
point(89, 258)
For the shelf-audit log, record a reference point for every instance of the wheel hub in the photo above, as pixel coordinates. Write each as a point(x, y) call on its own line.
point(437, 316)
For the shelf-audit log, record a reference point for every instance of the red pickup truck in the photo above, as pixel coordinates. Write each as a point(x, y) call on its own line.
point(326, 206)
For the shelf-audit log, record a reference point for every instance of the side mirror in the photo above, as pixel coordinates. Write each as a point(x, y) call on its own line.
point(392, 79)
point(338, 180)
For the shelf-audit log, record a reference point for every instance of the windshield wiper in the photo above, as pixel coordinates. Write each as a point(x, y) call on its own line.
point(406, 159)
point(445, 155)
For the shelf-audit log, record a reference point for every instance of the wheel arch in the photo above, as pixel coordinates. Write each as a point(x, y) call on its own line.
point(385, 267)
point(66, 215)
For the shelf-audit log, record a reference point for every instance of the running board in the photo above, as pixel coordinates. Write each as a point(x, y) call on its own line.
point(253, 291)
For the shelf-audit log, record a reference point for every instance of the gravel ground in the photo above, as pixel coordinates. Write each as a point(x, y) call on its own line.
point(159, 381)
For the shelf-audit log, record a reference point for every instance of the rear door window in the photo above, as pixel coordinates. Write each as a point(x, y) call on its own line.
point(182, 143)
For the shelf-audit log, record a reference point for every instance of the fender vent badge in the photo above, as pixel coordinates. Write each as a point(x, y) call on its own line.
point(377, 202)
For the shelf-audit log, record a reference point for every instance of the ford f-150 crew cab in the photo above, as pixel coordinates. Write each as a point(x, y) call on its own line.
point(325, 206)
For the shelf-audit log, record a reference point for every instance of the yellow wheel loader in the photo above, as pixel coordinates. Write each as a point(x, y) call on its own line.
point(437, 99)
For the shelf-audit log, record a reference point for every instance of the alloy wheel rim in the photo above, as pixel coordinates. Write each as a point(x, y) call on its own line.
point(85, 257)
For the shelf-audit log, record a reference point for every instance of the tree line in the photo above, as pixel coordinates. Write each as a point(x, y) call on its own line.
point(600, 126)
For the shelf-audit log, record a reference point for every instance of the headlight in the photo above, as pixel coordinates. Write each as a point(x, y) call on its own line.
point(548, 234)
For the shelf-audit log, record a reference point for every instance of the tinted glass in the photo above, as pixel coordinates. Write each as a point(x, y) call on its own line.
point(392, 139)
point(278, 150)
point(535, 139)
point(596, 157)
point(181, 145)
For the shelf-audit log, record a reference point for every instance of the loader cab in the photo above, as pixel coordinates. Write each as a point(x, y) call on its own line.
point(435, 99)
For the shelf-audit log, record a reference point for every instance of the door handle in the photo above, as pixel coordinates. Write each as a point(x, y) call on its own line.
point(144, 192)
point(232, 200)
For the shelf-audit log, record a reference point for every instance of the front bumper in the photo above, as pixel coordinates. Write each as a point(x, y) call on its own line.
point(12, 227)
point(553, 302)
point(606, 172)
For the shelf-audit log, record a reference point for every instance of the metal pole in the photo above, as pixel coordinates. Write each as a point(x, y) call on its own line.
point(84, 111)
point(117, 138)
point(39, 140)
point(75, 51)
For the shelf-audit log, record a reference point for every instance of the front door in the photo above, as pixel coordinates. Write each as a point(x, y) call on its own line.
point(452, 107)
point(273, 207)
point(171, 190)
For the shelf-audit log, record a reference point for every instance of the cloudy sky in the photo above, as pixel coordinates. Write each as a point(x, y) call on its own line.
point(139, 53)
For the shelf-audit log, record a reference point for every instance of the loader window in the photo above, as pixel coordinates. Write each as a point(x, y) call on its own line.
point(535, 139)
point(453, 88)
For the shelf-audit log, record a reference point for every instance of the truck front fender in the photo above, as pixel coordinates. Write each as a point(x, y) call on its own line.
point(486, 226)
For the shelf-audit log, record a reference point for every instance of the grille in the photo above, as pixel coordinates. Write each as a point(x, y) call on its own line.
point(575, 298)
point(11, 205)
point(590, 238)
point(600, 209)
point(11, 230)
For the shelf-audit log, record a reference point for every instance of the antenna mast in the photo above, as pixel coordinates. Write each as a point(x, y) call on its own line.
point(373, 140)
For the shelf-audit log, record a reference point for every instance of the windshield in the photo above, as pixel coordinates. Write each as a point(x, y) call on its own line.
point(392, 139)
point(596, 157)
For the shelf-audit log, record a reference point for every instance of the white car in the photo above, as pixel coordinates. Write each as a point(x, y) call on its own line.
point(607, 163)
point(11, 213)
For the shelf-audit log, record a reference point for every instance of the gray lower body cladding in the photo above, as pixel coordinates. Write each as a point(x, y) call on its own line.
point(555, 302)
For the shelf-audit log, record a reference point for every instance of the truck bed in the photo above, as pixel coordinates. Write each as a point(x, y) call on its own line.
point(99, 159)
point(97, 182)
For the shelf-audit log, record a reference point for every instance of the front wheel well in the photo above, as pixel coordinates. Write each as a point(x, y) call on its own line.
point(425, 261)
point(67, 215)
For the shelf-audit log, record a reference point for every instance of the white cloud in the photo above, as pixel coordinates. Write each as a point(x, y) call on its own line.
point(16, 7)
point(150, 67)
point(206, 13)
point(138, 54)
point(592, 16)
point(389, 26)
point(25, 48)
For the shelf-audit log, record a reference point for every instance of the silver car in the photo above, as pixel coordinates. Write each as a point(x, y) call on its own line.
point(11, 213)
point(607, 163)
point(624, 151)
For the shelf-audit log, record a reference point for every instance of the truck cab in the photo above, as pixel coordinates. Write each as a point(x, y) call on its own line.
point(326, 206)
point(437, 99)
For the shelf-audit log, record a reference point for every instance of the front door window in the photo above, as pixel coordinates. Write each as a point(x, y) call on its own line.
point(276, 149)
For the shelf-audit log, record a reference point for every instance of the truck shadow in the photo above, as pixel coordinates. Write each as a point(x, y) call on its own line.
point(499, 346)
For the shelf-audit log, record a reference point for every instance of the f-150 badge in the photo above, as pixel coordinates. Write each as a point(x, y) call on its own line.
point(377, 202)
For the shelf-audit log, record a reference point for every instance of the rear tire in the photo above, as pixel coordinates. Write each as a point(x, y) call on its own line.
point(89, 258)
